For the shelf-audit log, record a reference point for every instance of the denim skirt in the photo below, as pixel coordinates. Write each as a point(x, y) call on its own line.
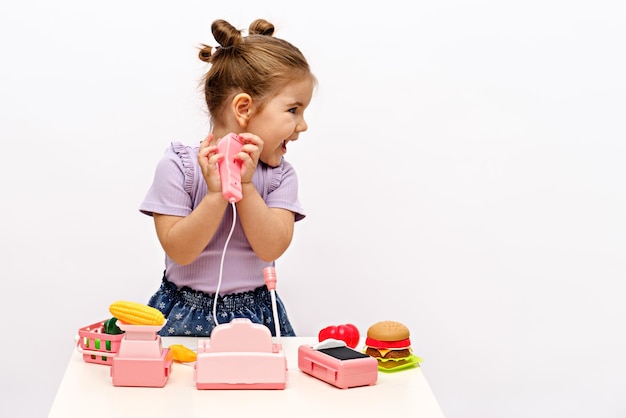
point(189, 312)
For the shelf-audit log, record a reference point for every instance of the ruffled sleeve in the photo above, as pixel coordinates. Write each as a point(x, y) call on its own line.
point(187, 165)
point(276, 177)
point(283, 190)
point(171, 189)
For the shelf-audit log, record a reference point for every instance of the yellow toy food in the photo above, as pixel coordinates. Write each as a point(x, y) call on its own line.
point(134, 313)
point(182, 353)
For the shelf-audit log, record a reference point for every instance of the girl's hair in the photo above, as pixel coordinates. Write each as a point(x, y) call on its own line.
point(257, 64)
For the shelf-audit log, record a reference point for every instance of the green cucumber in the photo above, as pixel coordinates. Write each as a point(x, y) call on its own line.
point(110, 327)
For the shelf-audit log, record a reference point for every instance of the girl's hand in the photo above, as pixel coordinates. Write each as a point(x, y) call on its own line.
point(249, 156)
point(208, 159)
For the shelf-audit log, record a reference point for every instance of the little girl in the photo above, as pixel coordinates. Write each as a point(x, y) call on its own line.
point(257, 86)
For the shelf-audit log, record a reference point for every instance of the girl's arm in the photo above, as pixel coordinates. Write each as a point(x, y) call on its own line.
point(269, 230)
point(184, 238)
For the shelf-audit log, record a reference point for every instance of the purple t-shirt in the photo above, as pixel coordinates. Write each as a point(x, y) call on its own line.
point(178, 187)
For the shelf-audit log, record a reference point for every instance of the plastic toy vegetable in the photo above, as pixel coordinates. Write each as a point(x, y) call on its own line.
point(134, 313)
point(182, 353)
point(110, 327)
point(348, 333)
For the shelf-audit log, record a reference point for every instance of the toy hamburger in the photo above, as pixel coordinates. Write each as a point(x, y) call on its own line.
point(389, 343)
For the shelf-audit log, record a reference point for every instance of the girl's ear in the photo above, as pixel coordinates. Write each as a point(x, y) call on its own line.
point(243, 107)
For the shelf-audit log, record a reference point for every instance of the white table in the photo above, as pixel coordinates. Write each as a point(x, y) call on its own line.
point(87, 391)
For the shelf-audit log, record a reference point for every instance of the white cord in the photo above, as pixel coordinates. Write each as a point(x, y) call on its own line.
point(219, 281)
point(275, 313)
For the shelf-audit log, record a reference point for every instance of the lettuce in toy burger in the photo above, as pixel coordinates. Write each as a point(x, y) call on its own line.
point(389, 343)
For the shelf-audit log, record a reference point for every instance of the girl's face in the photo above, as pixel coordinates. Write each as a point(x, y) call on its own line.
point(282, 119)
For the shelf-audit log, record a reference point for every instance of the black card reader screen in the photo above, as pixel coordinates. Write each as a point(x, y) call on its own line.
point(343, 353)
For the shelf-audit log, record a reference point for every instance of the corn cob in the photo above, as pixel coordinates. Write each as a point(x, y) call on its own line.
point(134, 313)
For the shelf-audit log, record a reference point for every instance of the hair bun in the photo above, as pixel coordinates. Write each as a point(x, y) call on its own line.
point(205, 53)
point(261, 27)
point(226, 34)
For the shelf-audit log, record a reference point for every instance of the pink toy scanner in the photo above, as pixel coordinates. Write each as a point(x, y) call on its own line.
point(332, 361)
point(230, 168)
point(240, 355)
point(141, 359)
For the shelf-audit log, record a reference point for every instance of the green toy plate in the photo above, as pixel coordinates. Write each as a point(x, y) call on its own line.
point(413, 361)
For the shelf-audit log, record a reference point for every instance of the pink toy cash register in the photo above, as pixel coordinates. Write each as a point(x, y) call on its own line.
point(240, 355)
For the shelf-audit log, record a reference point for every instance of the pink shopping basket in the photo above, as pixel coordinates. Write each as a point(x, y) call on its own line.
point(96, 346)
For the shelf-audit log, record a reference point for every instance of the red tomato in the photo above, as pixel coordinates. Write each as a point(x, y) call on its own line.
point(348, 333)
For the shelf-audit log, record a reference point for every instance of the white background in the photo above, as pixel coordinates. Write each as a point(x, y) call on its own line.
point(463, 173)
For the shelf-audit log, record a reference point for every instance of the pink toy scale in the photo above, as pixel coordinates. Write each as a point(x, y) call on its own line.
point(141, 359)
point(332, 361)
point(230, 168)
point(240, 355)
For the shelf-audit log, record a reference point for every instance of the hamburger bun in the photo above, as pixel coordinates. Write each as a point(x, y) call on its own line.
point(388, 331)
